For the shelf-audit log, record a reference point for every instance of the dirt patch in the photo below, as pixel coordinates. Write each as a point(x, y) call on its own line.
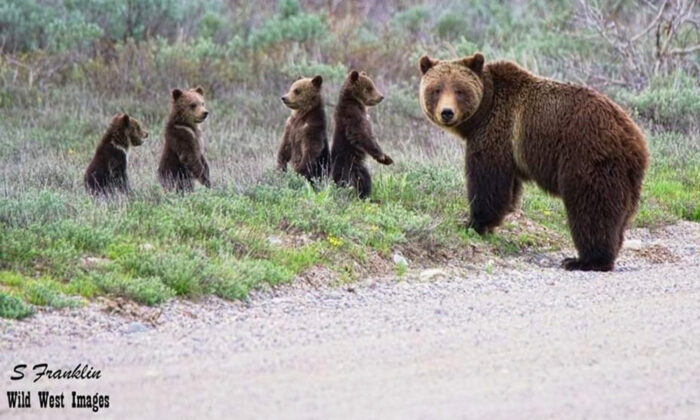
point(130, 310)
point(657, 254)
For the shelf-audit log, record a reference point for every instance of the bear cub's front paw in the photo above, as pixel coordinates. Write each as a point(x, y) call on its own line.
point(385, 160)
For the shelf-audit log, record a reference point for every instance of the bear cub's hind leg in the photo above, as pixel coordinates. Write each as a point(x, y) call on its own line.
point(362, 180)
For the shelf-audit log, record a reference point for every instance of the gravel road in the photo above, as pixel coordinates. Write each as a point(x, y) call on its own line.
point(519, 338)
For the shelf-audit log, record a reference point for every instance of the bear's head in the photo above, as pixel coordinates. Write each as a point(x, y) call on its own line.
point(304, 94)
point(451, 91)
point(188, 105)
point(131, 132)
point(362, 88)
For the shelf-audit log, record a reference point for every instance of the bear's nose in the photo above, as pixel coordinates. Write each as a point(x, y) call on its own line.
point(205, 114)
point(447, 115)
point(284, 99)
point(145, 134)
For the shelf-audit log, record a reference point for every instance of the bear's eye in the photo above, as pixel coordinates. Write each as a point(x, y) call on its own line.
point(459, 93)
point(193, 106)
point(297, 91)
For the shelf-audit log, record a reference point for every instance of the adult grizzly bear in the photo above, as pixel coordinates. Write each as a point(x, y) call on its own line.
point(571, 140)
point(353, 138)
point(305, 141)
point(107, 172)
point(183, 158)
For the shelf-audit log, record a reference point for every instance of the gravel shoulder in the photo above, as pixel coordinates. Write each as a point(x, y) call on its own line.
point(516, 338)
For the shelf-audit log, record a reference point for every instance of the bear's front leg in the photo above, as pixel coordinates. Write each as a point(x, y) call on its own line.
point(489, 190)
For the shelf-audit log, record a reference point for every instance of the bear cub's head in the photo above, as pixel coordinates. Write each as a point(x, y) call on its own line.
point(362, 88)
point(188, 106)
point(130, 130)
point(304, 94)
point(451, 91)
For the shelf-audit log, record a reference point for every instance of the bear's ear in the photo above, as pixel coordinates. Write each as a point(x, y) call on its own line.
point(317, 81)
point(298, 78)
point(475, 62)
point(426, 63)
point(354, 75)
point(199, 90)
point(125, 120)
point(176, 93)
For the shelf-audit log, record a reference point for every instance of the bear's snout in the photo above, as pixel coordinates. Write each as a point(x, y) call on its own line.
point(446, 115)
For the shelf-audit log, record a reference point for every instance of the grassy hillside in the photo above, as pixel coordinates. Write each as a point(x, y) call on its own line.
point(66, 67)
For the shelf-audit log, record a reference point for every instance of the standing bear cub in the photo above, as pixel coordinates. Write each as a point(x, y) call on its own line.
point(107, 172)
point(183, 158)
point(305, 142)
point(353, 138)
point(571, 140)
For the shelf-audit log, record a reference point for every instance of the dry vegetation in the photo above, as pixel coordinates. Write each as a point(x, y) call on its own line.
point(67, 66)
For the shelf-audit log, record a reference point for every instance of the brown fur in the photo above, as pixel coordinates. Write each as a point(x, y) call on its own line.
point(107, 172)
point(571, 140)
point(183, 157)
point(305, 141)
point(354, 139)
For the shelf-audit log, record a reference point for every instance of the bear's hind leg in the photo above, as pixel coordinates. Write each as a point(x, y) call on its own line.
point(362, 180)
point(597, 218)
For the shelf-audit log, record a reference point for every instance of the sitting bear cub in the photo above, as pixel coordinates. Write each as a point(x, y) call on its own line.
point(353, 138)
point(183, 158)
point(107, 172)
point(571, 140)
point(305, 142)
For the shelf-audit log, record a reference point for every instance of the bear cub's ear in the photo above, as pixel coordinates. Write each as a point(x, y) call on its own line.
point(199, 90)
point(426, 63)
point(354, 76)
point(176, 93)
point(317, 81)
point(125, 120)
point(474, 62)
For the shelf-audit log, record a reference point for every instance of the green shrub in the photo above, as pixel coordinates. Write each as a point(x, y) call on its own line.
point(669, 101)
point(145, 290)
point(289, 24)
point(47, 292)
point(71, 32)
point(12, 307)
point(450, 25)
point(23, 23)
point(234, 281)
point(412, 19)
point(26, 25)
